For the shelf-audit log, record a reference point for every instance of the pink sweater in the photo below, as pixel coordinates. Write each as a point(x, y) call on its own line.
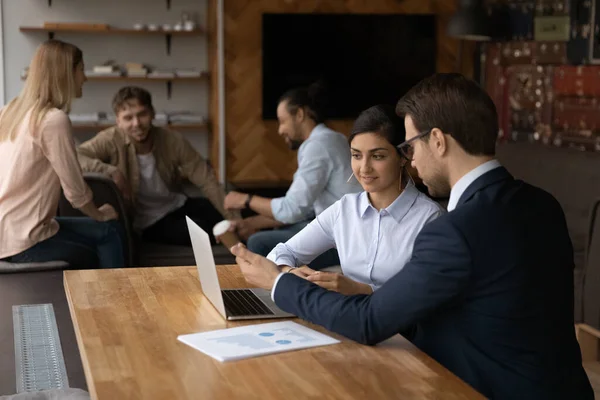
point(33, 168)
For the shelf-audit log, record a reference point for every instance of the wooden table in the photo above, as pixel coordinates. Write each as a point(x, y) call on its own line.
point(127, 322)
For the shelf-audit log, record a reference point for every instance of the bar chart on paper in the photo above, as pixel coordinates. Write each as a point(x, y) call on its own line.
point(256, 340)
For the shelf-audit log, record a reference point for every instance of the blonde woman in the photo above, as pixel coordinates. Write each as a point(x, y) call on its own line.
point(37, 158)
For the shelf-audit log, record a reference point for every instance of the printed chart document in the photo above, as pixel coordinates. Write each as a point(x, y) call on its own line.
point(256, 340)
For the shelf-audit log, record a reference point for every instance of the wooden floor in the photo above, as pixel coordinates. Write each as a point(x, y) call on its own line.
point(593, 370)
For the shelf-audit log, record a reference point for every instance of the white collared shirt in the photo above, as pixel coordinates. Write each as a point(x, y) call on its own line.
point(372, 245)
point(463, 183)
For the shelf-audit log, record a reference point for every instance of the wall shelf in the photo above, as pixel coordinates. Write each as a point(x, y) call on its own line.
point(168, 81)
point(80, 127)
point(202, 77)
point(51, 29)
point(168, 4)
point(113, 31)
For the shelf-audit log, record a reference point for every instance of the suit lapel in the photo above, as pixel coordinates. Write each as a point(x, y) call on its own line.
point(485, 180)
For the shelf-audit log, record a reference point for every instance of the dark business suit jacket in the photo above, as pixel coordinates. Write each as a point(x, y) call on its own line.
point(488, 291)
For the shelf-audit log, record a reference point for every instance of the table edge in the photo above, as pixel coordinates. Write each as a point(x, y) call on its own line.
point(80, 345)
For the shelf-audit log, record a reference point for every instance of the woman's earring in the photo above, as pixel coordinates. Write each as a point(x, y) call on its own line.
point(404, 177)
point(348, 181)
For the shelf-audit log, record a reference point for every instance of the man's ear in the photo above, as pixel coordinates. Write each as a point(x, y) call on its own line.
point(118, 115)
point(438, 142)
point(300, 114)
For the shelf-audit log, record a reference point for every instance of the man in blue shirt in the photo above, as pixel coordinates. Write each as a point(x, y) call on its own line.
point(321, 178)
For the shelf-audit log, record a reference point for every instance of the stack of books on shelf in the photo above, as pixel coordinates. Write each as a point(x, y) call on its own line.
point(188, 73)
point(104, 70)
point(162, 118)
point(136, 70)
point(87, 118)
point(161, 73)
point(185, 118)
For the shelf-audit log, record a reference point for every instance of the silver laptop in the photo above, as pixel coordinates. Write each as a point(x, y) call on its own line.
point(233, 304)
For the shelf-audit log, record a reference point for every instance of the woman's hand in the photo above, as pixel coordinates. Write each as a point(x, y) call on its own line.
point(108, 212)
point(104, 213)
point(338, 283)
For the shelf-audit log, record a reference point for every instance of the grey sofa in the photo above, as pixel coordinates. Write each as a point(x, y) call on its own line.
point(140, 253)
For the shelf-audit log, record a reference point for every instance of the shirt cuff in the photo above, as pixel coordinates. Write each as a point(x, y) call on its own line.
point(276, 205)
point(272, 256)
point(282, 259)
point(275, 285)
point(81, 200)
point(111, 169)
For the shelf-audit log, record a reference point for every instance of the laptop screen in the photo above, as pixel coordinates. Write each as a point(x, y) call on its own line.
point(205, 262)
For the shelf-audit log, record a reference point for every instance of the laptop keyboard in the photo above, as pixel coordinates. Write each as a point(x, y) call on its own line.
point(240, 302)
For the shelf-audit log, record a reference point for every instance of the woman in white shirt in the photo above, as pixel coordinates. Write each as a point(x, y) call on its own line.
point(373, 231)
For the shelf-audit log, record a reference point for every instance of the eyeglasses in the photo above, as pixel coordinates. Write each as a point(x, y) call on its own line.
point(406, 148)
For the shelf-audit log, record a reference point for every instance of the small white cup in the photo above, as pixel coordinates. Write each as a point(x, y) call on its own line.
point(225, 236)
point(189, 25)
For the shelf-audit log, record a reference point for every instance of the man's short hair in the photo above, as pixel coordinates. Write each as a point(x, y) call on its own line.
point(458, 107)
point(128, 93)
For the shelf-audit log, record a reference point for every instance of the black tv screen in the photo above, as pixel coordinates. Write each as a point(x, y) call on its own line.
point(362, 60)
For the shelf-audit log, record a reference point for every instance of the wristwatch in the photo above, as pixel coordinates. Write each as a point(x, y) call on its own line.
point(248, 200)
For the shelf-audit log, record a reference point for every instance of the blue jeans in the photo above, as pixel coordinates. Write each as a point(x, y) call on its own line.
point(82, 242)
point(263, 242)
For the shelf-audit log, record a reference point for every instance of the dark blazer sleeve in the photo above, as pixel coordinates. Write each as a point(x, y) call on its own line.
point(437, 274)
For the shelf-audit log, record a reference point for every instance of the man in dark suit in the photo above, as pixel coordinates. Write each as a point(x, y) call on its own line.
point(489, 287)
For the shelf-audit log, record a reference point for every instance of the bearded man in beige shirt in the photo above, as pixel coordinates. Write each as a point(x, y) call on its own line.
point(148, 164)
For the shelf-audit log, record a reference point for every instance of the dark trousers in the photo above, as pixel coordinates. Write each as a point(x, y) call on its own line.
point(172, 228)
point(81, 242)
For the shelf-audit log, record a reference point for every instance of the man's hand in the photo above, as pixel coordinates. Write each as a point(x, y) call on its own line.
point(339, 283)
point(245, 227)
point(235, 201)
point(256, 269)
point(302, 272)
point(122, 184)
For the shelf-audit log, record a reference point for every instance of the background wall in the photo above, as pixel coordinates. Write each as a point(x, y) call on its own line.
point(255, 153)
point(186, 52)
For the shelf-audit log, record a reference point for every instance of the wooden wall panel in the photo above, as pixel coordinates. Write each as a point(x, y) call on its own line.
point(255, 153)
